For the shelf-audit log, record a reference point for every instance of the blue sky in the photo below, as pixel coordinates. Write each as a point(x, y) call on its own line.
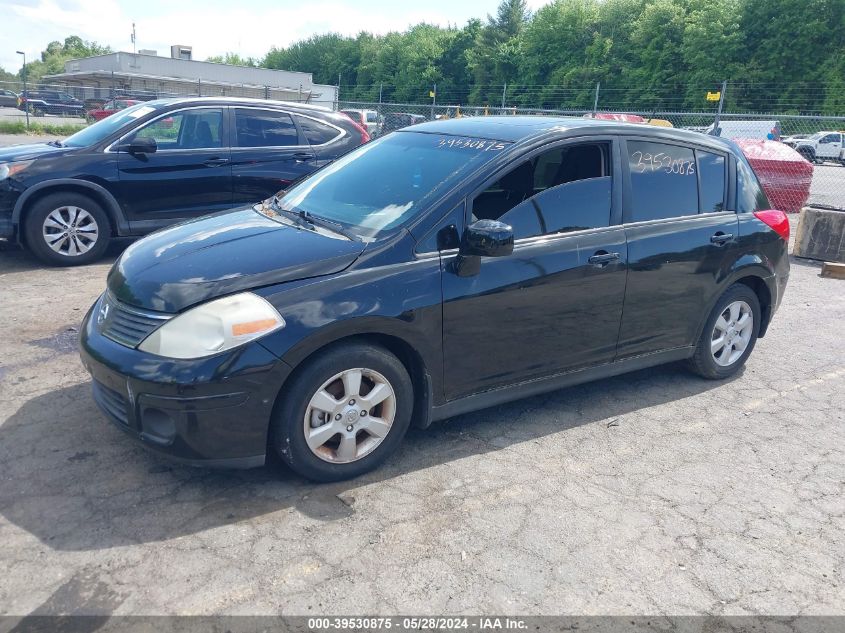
point(213, 27)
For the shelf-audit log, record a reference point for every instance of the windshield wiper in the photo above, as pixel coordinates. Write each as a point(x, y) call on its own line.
point(55, 143)
point(308, 219)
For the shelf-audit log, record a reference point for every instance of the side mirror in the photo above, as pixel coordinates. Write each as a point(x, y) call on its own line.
point(139, 146)
point(487, 238)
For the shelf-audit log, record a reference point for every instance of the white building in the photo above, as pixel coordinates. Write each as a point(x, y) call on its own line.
point(146, 74)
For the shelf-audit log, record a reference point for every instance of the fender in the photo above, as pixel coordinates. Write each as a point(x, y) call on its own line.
point(400, 337)
point(749, 265)
point(112, 208)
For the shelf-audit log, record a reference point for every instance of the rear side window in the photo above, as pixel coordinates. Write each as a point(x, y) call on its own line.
point(264, 128)
point(317, 132)
point(749, 194)
point(663, 181)
point(711, 178)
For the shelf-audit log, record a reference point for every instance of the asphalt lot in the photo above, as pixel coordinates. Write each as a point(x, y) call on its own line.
point(13, 115)
point(651, 493)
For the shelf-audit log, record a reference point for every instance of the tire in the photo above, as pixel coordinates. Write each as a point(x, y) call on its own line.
point(717, 362)
point(62, 208)
point(328, 461)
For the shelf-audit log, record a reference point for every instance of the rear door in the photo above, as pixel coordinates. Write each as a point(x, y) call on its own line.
point(189, 174)
point(269, 152)
point(555, 304)
point(681, 241)
point(324, 138)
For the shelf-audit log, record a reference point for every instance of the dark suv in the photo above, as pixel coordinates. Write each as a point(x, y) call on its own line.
point(41, 102)
point(440, 269)
point(157, 163)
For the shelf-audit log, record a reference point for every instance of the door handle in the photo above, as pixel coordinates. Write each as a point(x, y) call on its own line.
point(721, 238)
point(216, 162)
point(602, 259)
point(301, 157)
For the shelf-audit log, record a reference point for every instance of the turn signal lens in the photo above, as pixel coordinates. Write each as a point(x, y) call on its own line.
point(776, 220)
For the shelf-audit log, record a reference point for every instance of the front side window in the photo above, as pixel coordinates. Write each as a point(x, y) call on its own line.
point(317, 132)
point(188, 129)
point(564, 189)
point(664, 183)
point(264, 128)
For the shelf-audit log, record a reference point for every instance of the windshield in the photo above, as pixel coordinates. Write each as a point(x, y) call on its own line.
point(817, 136)
point(100, 130)
point(388, 181)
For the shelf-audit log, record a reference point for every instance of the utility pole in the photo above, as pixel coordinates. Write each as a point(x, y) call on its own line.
point(596, 100)
point(715, 131)
point(133, 38)
point(504, 93)
point(23, 72)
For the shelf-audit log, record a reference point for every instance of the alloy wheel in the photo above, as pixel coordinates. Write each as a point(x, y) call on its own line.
point(70, 231)
point(732, 333)
point(350, 415)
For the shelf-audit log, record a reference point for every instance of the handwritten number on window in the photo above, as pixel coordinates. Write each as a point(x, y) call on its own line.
point(644, 162)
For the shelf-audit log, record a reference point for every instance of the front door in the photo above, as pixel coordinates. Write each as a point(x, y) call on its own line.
point(681, 239)
point(189, 175)
point(555, 304)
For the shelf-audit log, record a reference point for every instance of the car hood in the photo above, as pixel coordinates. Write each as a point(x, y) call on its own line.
point(28, 152)
point(216, 255)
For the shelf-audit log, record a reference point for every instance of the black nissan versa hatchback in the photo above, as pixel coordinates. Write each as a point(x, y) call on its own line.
point(158, 163)
point(443, 268)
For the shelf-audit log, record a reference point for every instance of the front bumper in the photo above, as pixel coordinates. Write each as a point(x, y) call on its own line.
point(209, 412)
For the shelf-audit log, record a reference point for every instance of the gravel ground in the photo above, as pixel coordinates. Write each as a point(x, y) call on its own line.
point(651, 493)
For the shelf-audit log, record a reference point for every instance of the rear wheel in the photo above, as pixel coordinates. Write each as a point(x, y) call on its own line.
point(67, 229)
point(344, 413)
point(729, 334)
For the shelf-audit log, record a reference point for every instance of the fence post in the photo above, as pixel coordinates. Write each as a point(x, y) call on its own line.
point(715, 131)
point(504, 93)
point(596, 100)
point(199, 87)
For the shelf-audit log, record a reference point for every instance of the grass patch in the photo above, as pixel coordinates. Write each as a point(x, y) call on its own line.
point(7, 127)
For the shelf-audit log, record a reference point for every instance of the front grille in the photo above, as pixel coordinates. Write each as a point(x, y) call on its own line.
point(125, 325)
point(112, 402)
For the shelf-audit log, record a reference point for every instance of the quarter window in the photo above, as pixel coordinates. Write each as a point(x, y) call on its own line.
point(564, 189)
point(316, 132)
point(749, 194)
point(711, 177)
point(265, 128)
point(663, 181)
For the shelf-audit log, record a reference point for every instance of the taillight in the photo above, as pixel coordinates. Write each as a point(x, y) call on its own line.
point(365, 136)
point(776, 220)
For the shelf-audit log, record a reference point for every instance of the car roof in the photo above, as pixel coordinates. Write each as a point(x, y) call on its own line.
point(515, 129)
point(238, 101)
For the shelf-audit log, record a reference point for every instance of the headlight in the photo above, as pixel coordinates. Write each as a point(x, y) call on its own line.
point(214, 327)
point(7, 170)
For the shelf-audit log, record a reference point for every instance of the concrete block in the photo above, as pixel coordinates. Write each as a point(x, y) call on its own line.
point(820, 235)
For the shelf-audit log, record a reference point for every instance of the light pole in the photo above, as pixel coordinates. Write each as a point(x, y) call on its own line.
point(23, 70)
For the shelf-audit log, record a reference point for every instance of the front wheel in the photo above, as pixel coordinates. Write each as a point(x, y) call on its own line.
point(729, 334)
point(344, 412)
point(67, 229)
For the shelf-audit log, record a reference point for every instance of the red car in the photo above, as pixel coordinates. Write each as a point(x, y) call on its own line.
point(109, 108)
point(785, 175)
